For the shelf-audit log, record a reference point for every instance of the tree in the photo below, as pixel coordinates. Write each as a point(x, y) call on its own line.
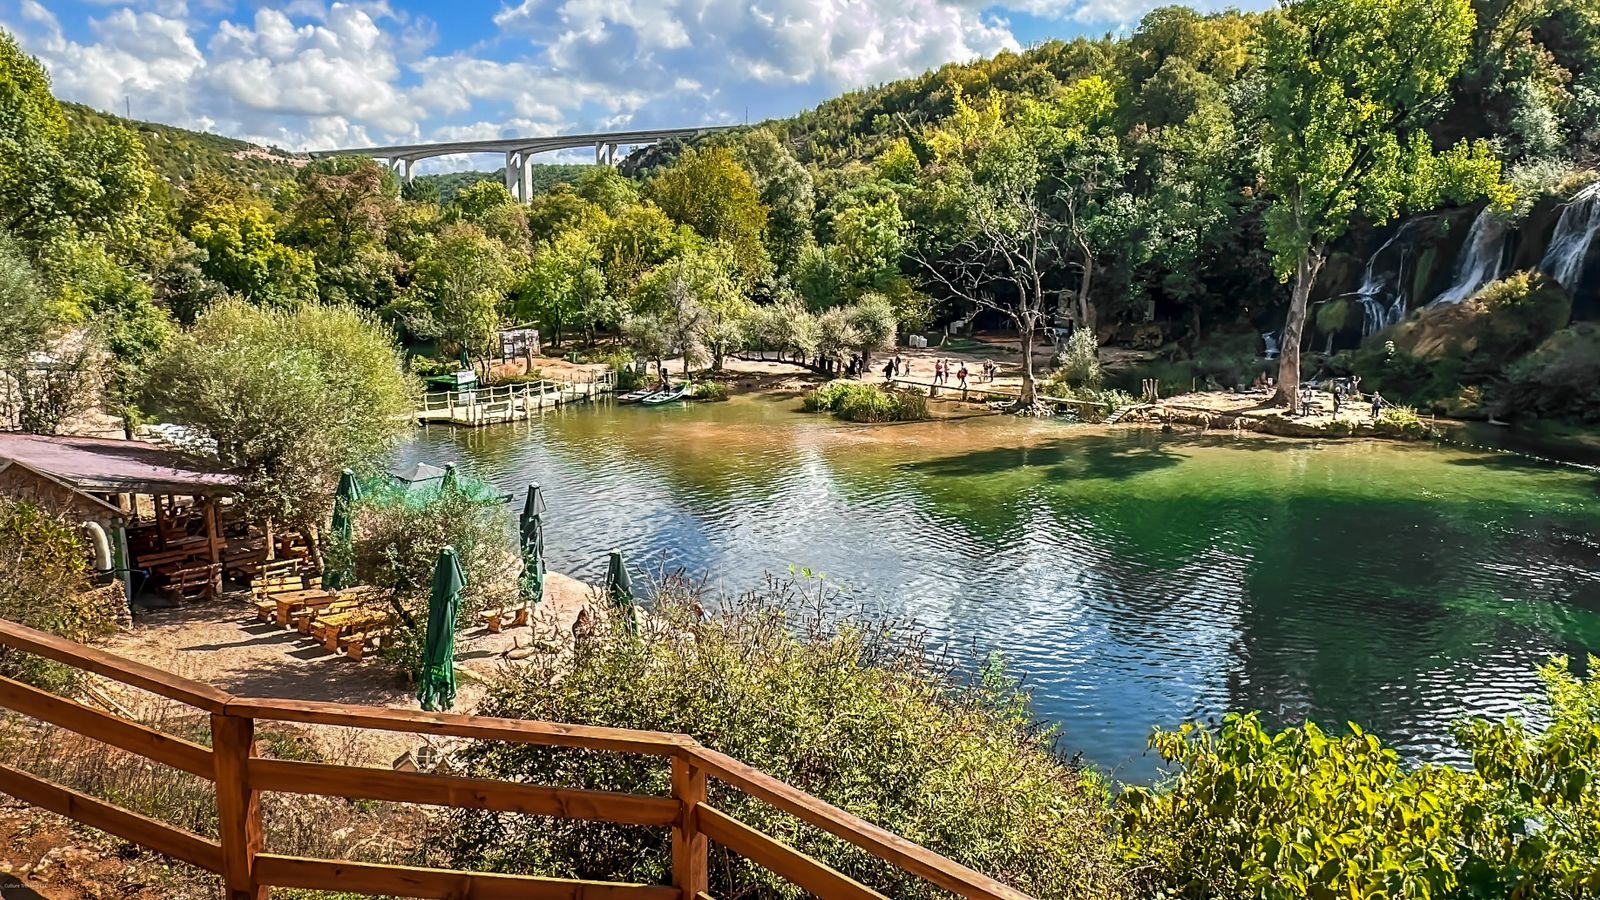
point(712, 193)
point(702, 308)
point(995, 243)
point(459, 286)
point(55, 596)
point(872, 319)
point(341, 216)
point(606, 188)
point(1349, 87)
point(868, 242)
point(243, 255)
point(288, 399)
point(46, 375)
point(566, 286)
point(786, 193)
point(638, 239)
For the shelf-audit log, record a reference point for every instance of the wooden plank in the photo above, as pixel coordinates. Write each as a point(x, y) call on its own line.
point(126, 671)
point(912, 857)
point(238, 807)
point(365, 783)
point(691, 866)
point(521, 731)
point(441, 884)
point(798, 869)
point(128, 825)
point(106, 728)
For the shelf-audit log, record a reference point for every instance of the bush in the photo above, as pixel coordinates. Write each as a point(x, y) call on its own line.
point(1079, 365)
point(851, 711)
point(856, 402)
point(428, 367)
point(1401, 421)
point(398, 536)
point(712, 391)
point(1559, 379)
point(44, 556)
point(1303, 813)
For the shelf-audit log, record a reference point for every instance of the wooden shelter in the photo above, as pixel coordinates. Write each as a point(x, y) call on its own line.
point(159, 511)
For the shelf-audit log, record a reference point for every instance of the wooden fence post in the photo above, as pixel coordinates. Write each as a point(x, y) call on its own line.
point(690, 849)
point(238, 806)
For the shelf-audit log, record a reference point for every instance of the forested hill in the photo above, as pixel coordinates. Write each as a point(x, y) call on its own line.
point(178, 155)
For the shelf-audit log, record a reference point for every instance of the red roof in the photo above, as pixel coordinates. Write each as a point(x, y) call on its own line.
point(103, 465)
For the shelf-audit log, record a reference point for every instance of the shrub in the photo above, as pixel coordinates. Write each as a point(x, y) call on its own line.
point(1522, 311)
point(851, 711)
point(44, 556)
point(1079, 365)
point(1400, 420)
point(712, 391)
point(428, 367)
point(856, 402)
point(1559, 379)
point(398, 536)
point(1304, 813)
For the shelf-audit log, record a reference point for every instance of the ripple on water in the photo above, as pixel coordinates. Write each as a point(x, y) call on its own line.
point(1132, 579)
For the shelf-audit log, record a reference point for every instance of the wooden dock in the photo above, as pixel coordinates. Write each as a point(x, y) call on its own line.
point(976, 393)
point(498, 404)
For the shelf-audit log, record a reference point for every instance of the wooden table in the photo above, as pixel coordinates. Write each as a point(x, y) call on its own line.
point(290, 601)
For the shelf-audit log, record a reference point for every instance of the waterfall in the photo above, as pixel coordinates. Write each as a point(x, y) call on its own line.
point(1479, 260)
point(1379, 312)
point(1563, 261)
point(1271, 339)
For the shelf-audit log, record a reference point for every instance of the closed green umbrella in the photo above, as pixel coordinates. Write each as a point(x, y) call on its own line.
point(531, 525)
point(451, 481)
point(437, 689)
point(338, 575)
point(619, 588)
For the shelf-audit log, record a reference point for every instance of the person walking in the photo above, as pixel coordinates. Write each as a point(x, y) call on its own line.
point(1377, 404)
point(962, 375)
point(888, 371)
point(1338, 397)
point(938, 371)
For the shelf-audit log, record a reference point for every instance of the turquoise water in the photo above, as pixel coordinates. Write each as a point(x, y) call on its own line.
point(1133, 578)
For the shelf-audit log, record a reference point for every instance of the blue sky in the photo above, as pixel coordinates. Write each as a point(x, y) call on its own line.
point(313, 74)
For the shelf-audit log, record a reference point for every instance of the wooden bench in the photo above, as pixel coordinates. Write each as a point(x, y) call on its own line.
point(355, 644)
point(267, 571)
point(195, 583)
point(273, 604)
point(330, 627)
point(170, 558)
point(243, 563)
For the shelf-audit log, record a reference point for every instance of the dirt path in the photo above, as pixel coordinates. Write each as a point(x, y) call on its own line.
point(225, 645)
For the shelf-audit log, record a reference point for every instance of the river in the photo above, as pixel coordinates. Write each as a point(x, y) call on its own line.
point(1132, 578)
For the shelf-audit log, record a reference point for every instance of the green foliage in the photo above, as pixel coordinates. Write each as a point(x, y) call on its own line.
point(243, 255)
point(711, 391)
point(1079, 365)
point(289, 398)
point(1560, 378)
point(712, 193)
point(398, 533)
point(51, 552)
point(956, 768)
point(1299, 813)
point(457, 289)
point(1400, 420)
point(1303, 813)
point(857, 402)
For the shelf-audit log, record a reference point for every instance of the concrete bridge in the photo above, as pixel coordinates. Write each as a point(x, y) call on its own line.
point(519, 152)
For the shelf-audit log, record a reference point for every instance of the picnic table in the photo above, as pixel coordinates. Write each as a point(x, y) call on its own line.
point(286, 603)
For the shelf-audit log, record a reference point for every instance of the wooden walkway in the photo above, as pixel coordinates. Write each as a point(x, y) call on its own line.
point(507, 402)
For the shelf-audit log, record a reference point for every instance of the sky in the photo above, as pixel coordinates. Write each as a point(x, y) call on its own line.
point(313, 74)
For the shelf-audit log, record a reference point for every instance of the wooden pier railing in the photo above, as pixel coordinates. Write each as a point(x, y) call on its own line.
point(249, 870)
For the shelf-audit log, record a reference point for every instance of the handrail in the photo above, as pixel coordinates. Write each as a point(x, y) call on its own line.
point(248, 871)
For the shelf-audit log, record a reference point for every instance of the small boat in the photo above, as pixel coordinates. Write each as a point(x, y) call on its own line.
point(668, 394)
point(637, 396)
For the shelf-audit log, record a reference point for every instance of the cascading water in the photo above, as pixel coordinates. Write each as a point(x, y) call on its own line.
point(1480, 260)
point(1563, 260)
point(1378, 310)
point(1271, 339)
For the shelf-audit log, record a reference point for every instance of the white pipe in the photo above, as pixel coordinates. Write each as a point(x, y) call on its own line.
point(102, 546)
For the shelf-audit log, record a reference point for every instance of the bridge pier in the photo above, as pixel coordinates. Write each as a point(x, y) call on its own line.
point(605, 153)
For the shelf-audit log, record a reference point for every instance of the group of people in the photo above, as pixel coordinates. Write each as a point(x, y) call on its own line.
point(944, 371)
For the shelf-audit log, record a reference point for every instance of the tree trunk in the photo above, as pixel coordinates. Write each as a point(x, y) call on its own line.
point(1029, 394)
point(1305, 276)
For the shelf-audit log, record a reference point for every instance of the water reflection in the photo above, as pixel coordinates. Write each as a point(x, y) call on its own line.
point(1134, 578)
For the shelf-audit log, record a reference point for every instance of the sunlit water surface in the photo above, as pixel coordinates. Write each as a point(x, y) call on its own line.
point(1133, 578)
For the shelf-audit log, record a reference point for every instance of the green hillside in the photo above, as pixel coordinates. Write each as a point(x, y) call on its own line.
point(179, 155)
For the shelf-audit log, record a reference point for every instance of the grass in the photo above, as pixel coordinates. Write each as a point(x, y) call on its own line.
point(855, 402)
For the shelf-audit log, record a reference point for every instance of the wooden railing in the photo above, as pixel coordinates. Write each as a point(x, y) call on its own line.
point(240, 777)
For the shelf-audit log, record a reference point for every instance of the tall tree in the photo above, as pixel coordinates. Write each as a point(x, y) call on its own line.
point(1349, 86)
point(459, 286)
point(712, 193)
